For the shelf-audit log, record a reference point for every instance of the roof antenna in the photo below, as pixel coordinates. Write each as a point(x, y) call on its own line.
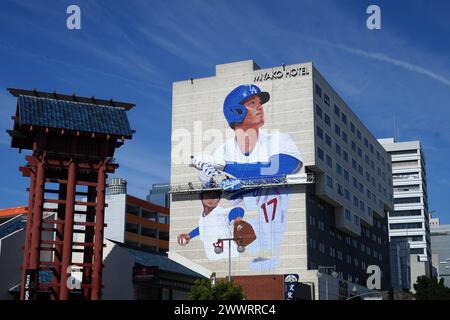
point(192, 80)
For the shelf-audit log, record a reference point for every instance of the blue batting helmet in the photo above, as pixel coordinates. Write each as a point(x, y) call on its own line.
point(233, 107)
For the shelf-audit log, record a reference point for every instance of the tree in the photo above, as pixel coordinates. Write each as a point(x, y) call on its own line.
point(431, 289)
point(222, 290)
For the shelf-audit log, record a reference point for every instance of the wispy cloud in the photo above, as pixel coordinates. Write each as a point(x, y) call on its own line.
point(396, 62)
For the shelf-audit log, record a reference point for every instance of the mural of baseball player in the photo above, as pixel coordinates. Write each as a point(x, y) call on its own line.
point(254, 153)
point(214, 223)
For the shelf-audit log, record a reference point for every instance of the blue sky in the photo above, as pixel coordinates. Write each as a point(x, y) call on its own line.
point(133, 51)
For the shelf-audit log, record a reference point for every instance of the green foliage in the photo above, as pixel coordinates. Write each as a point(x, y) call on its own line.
point(223, 290)
point(431, 289)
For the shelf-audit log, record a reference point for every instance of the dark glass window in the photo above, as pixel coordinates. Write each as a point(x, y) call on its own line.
point(318, 90)
point(319, 111)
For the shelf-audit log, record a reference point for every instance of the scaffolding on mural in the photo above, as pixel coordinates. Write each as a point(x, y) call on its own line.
point(191, 187)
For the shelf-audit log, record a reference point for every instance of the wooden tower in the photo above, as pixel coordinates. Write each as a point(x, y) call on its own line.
point(72, 140)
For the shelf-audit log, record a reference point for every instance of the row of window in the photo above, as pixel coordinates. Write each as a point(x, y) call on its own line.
point(405, 213)
point(410, 225)
point(407, 200)
point(339, 255)
point(338, 150)
point(349, 241)
point(357, 202)
point(343, 118)
point(139, 229)
point(357, 185)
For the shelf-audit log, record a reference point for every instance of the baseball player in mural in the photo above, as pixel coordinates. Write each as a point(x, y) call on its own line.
point(217, 222)
point(255, 154)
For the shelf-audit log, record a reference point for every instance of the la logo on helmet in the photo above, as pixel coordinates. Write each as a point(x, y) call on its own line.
point(253, 89)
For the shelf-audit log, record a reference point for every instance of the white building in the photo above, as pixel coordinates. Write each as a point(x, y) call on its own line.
point(440, 243)
point(410, 219)
point(340, 220)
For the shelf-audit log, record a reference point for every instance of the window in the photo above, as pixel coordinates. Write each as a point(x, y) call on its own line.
point(354, 164)
point(362, 207)
point(366, 159)
point(344, 137)
point(352, 127)
point(327, 140)
point(402, 176)
point(371, 148)
point(346, 175)
point(131, 227)
point(366, 142)
point(367, 177)
point(416, 251)
point(320, 154)
point(360, 170)
point(319, 112)
point(355, 201)
point(134, 210)
point(337, 112)
point(340, 190)
point(332, 252)
point(347, 194)
point(329, 161)
point(412, 225)
point(326, 99)
point(405, 164)
point(329, 182)
point(319, 132)
point(327, 120)
point(321, 226)
point(153, 233)
point(338, 169)
point(361, 188)
point(345, 156)
point(353, 146)
point(344, 118)
point(163, 219)
point(407, 200)
point(355, 183)
point(149, 215)
point(356, 221)
point(405, 213)
point(337, 130)
point(349, 259)
point(163, 235)
point(358, 134)
point(348, 216)
point(359, 152)
point(338, 150)
point(318, 90)
point(321, 247)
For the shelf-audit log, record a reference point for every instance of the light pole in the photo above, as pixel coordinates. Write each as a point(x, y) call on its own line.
point(218, 248)
point(326, 269)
